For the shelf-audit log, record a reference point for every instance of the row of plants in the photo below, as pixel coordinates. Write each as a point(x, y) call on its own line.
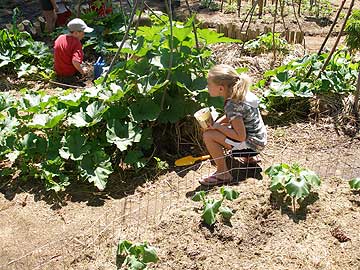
point(265, 43)
point(292, 81)
point(20, 53)
point(319, 8)
point(70, 136)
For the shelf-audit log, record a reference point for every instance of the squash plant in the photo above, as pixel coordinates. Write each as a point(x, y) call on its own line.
point(212, 207)
point(135, 256)
point(355, 183)
point(264, 43)
point(353, 42)
point(290, 82)
point(293, 180)
point(20, 53)
point(82, 136)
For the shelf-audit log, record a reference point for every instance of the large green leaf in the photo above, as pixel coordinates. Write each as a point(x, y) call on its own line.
point(149, 254)
point(198, 196)
point(277, 168)
point(71, 99)
point(180, 31)
point(122, 134)
point(210, 211)
point(211, 37)
point(134, 263)
point(144, 109)
point(146, 141)
point(47, 121)
point(123, 247)
point(34, 144)
point(297, 188)
point(278, 181)
point(74, 145)
point(311, 177)
point(96, 167)
point(95, 111)
point(135, 158)
point(91, 116)
point(226, 212)
point(114, 93)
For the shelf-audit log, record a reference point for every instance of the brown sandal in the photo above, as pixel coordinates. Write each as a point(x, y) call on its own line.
point(213, 180)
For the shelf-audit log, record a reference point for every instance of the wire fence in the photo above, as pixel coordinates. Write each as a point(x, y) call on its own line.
point(137, 216)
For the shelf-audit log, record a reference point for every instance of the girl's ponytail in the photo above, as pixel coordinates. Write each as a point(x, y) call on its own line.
point(241, 87)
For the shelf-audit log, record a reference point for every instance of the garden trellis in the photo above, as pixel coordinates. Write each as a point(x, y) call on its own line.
point(139, 217)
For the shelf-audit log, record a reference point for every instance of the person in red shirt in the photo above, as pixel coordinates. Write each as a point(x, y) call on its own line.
point(68, 53)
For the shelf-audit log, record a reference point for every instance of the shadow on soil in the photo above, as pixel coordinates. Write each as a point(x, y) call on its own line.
point(282, 202)
point(322, 22)
point(77, 191)
point(239, 171)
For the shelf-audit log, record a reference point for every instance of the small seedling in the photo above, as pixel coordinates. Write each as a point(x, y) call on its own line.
point(135, 256)
point(212, 206)
point(355, 183)
point(294, 180)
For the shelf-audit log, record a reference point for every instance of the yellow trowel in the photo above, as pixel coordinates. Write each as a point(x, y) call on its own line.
point(189, 160)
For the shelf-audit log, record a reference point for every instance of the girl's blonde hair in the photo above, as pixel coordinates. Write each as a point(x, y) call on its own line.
point(237, 84)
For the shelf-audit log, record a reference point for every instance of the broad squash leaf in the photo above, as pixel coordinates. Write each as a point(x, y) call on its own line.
point(210, 211)
point(229, 193)
point(74, 145)
point(297, 188)
point(226, 212)
point(96, 168)
point(355, 183)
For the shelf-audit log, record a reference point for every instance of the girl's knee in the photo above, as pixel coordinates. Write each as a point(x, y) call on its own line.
point(209, 135)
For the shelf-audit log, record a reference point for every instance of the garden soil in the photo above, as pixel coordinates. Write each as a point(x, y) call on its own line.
point(264, 233)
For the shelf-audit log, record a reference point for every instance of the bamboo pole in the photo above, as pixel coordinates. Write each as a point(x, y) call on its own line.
point(195, 33)
point(273, 31)
point(123, 40)
point(238, 7)
point(297, 21)
point(332, 26)
point(168, 6)
point(247, 15)
point(261, 8)
point(329, 33)
point(337, 39)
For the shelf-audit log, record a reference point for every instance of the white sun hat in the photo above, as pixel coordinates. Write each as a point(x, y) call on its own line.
point(79, 25)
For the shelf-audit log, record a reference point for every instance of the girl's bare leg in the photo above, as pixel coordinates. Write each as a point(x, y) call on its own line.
point(215, 143)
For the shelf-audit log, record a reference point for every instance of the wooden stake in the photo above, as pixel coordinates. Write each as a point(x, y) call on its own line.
point(332, 26)
point(273, 37)
point(338, 39)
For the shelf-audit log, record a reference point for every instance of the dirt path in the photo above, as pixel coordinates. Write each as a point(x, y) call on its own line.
point(28, 224)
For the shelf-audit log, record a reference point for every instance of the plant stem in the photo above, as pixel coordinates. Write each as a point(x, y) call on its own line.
point(168, 5)
point(356, 97)
point(293, 205)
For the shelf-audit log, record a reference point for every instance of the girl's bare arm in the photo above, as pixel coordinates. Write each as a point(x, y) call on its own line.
point(222, 120)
